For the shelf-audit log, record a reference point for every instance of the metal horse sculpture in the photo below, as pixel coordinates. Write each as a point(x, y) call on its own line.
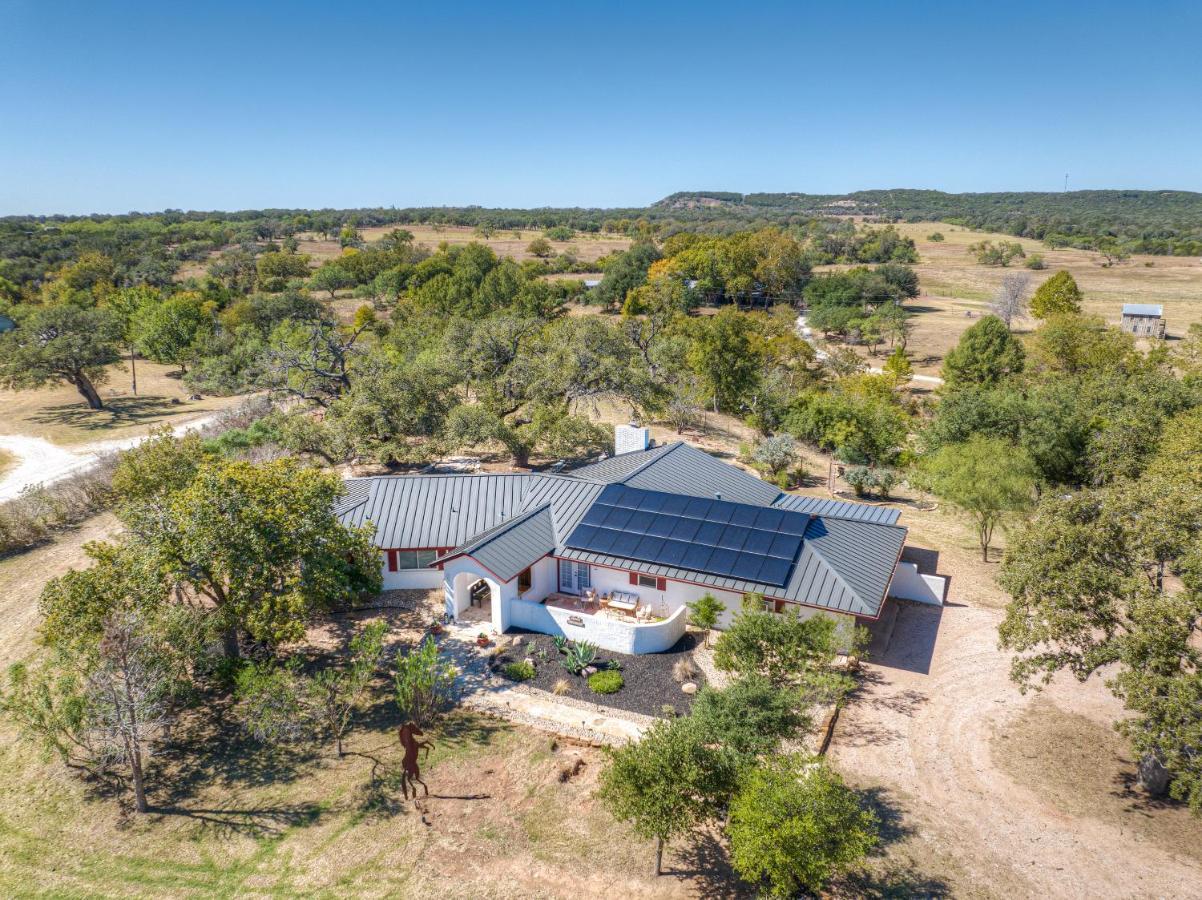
point(411, 774)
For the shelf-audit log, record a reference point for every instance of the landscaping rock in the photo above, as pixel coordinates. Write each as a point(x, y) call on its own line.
point(689, 687)
point(529, 660)
point(590, 670)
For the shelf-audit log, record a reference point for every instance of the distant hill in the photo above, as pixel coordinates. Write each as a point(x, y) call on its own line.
point(1148, 221)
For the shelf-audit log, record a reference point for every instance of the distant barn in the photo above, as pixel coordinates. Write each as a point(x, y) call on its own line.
point(1143, 319)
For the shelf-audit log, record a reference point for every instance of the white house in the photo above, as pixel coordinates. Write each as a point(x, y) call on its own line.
point(613, 551)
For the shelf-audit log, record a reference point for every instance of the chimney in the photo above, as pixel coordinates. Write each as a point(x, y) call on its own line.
point(630, 438)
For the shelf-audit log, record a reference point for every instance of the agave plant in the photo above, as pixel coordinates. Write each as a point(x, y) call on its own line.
point(579, 656)
point(561, 643)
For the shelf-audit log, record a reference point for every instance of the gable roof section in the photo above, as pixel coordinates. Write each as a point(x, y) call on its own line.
point(620, 467)
point(1143, 309)
point(508, 548)
point(839, 509)
point(422, 511)
point(684, 469)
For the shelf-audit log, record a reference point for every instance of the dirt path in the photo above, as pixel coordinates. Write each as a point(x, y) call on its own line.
point(23, 576)
point(923, 731)
point(41, 462)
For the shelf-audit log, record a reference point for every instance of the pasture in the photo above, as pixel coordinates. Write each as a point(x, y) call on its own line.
point(953, 285)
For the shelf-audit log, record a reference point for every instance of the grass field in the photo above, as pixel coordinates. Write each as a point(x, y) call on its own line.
point(7, 461)
point(59, 414)
point(954, 284)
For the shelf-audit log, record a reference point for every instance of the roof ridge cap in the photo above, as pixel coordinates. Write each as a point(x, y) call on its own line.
point(675, 445)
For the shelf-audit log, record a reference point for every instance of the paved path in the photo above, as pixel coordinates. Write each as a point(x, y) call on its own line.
point(41, 462)
point(571, 718)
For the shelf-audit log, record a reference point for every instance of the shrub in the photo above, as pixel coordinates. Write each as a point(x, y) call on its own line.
point(861, 478)
point(607, 682)
point(1035, 261)
point(424, 683)
point(685, 669)
point(935, 236)
point(518, 671)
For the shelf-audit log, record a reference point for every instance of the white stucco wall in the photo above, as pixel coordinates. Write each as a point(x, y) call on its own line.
point(411, 578)
point(609, 634)
point(910, 584)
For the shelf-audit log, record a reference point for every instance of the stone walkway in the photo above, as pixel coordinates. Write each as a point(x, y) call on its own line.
point(481, 690)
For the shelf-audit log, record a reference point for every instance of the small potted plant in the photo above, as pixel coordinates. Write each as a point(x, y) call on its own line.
point(482, 639)
point(436, 627)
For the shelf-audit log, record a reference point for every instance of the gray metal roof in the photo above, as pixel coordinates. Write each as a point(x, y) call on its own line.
point(512, 546)
point(507, 522)
point(423, 511)
point(621, 466)
point(684, 469)
point(1143, 309)
point(842, 509)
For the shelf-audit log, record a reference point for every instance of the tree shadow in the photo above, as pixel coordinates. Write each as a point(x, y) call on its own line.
point(705, 860)
point(117, 411)
point(256, 822)
point(883, 879)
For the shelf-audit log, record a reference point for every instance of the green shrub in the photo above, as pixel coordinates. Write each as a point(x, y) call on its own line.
point(518, 671)
point(606, 682)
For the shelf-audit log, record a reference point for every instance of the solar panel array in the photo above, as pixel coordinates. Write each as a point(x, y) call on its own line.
point(736, 540)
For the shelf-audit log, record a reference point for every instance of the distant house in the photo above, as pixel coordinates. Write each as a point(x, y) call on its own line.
point(1143, 319)
point(590, 283)
point(612, 552)
point(6, 324)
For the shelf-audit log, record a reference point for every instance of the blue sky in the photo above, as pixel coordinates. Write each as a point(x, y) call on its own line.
point(111, 107)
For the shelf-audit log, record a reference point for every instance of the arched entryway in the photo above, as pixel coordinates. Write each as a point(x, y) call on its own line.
point(475, 597)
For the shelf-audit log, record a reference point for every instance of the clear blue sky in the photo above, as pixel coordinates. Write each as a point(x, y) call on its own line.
point(111, 107)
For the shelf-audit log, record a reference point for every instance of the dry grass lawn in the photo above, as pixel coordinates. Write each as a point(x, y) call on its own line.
point(954, 284)
point(1085, 769)
point(7, 461)
point(59, 414)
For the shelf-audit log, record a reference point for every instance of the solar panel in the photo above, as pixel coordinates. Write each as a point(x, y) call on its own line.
point(717, 537)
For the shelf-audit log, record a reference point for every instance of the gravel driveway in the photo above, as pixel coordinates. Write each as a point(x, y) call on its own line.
point(921, 731)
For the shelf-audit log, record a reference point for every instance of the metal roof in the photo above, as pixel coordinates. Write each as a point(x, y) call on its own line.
point(684, 469)
point(842, 509)
point(507, 522)
point(1143, 309)
point(423, 511)
point(509, 548)
point(621, 466)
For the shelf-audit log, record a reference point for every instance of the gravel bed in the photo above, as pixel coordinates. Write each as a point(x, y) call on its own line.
point(649, 684)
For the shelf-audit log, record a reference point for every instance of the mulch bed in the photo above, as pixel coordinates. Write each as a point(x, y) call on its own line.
point(648, 676)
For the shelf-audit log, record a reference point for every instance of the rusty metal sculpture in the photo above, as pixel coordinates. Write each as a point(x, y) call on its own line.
point(411, 774)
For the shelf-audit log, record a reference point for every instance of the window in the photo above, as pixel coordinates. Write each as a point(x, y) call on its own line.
point(402, 560)
point(525, 581)
point(647, 581)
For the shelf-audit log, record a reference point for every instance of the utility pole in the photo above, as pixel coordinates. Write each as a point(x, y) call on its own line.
point(1066, 182)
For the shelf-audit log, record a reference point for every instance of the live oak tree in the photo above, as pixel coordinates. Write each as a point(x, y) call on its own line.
point(750, 716)
point(1085, 575)
point(60, 343)
point(168, 331)
point(261, 544)
point(669, 782)
point(987, 479)
point(794, 825)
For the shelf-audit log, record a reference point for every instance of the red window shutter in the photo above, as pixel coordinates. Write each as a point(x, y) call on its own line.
point(392, 561)
point(634, 578)
point(661, 584)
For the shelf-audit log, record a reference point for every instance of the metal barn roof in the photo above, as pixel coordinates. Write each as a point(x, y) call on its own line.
point(1143, 309)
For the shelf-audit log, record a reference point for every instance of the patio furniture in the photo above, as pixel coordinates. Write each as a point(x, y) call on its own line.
point(623, 601)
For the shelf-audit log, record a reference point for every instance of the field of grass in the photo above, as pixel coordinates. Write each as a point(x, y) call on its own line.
point(59, 414)
point(7, 461)
point(953, 285)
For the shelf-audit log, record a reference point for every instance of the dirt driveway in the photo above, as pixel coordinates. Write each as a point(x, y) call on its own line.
point(924, 733)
